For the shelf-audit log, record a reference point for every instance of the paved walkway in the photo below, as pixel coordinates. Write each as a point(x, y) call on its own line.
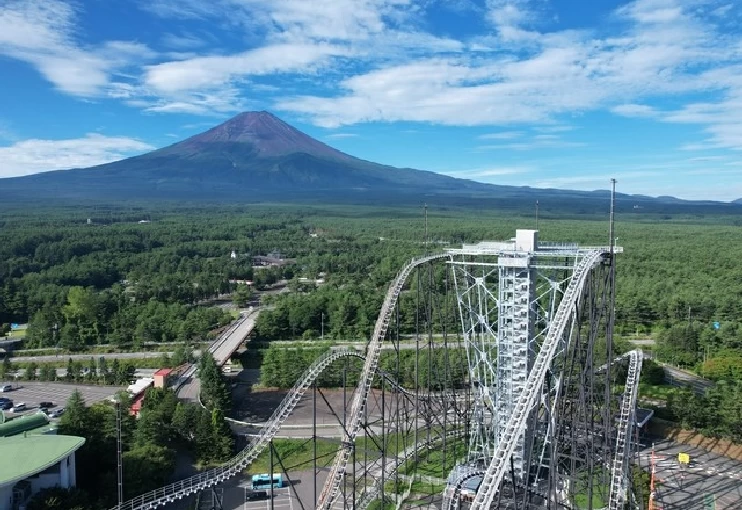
point(709, 479)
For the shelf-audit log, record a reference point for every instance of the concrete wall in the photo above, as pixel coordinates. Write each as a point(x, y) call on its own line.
point(61, 475)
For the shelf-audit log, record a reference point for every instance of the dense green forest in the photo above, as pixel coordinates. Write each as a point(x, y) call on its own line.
point(118, 280)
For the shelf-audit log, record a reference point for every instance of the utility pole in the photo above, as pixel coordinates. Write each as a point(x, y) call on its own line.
point(120, 467)
point(54, 339)
point(611, 233)
point(323, 325)
point(536, 214)
point(652, 493)
point(426, 228)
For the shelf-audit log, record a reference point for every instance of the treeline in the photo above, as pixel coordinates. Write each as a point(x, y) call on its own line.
point(86, 317)
point(100, 371)
point(717, 413)
point(347, 310)
point(443, 369)
point(149, 445)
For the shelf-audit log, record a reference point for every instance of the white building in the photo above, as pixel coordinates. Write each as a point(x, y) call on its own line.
point(30, 463)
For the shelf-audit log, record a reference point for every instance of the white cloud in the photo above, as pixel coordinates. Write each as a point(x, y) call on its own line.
point(594, 181)
point(482, 174)
point(41, 33)
point(182, 41)
point(212, 102)
point(337, 136)
point(553, 129)
point(503, 135)
point(537, 142)
point(663, 50)
point(210, 71)
point(634, 110)
point(708, 158)
point(33, 156)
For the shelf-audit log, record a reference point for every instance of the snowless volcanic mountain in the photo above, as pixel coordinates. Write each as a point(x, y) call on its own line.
point(269, 137)
point(252, 155)
point(257, 157)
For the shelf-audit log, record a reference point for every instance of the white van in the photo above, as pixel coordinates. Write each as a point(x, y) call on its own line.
point(5, 388)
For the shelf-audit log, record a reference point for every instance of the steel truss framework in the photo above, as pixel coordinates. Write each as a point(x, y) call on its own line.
point(562, 418)
point(388, 431)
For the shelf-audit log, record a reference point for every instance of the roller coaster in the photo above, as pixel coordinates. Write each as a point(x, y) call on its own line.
point(517, 406)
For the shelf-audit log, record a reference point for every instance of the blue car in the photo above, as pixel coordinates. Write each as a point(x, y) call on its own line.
point(5, 403)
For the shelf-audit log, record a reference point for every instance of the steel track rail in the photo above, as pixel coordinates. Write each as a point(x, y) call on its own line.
point(337, 471)
point(527, 400)
point(626, 420)
point(180, 489)
point(370, 494)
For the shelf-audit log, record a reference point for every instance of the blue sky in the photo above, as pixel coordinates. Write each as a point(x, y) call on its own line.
point(546, 93)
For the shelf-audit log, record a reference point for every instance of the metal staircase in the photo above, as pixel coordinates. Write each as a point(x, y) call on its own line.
point(518, 420)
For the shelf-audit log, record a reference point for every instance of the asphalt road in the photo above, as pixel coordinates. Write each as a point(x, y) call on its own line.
point(709, 480)
point(86, 357)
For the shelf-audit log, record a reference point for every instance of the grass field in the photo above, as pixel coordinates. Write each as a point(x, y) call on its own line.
point(655, 391)
point(295, 455)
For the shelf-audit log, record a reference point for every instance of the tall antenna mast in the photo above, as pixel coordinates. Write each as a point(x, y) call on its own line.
point(426, 227)
point(536, 214)
point(611, 240)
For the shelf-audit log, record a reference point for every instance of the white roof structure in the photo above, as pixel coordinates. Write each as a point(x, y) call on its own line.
point(141, 385)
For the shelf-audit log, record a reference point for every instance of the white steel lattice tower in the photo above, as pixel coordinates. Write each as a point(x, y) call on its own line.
point(506, 293)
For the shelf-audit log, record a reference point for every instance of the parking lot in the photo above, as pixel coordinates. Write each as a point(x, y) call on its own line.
point(34, 392)
point(282, 500)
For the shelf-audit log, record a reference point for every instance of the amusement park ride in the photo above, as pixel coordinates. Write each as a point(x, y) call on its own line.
point(535, 423)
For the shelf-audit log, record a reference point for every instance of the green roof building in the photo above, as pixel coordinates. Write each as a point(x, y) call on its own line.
point(31, 462)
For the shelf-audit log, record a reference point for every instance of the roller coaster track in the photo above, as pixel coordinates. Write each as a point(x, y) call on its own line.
point(626, 420)
point(234, 466)
point(360, 397)
point(371, 493)
point(518, 420)
point(182, 488)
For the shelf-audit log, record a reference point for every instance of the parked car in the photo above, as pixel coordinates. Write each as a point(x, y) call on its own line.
point(256, 495)
point(20, 406)
point(56, 413)
point(5, 403)
point(4, 388)
point(45, 405)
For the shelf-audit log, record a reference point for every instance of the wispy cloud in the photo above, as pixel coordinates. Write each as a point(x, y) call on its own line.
point(503, 135)
point(635, 110)
point(32, 156)
point(182, 41)
point(337, 136)
point(536, 142)
point(661, 49)
point(553, 129)
point(708, 158)
point(484, 173)
point(41, 33)
point(594, 180)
